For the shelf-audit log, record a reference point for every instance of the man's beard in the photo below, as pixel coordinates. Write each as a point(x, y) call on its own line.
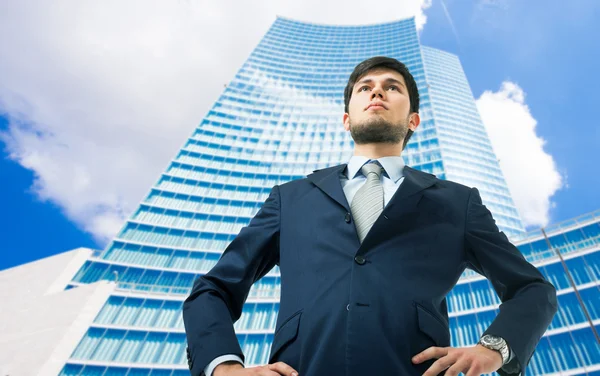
point(378, 130)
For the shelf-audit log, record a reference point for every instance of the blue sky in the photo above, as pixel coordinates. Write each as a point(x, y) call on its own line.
point(551, 50)
point(32, 229)
point(547, 49)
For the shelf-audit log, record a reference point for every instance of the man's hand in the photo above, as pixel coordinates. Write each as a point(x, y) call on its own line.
point(472, 361)
point(236, 369)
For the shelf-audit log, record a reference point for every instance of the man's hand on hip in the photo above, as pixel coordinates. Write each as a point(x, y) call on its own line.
point(472, 361)
point(236, 369)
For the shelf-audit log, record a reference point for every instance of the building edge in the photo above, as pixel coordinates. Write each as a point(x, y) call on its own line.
point(44, 323)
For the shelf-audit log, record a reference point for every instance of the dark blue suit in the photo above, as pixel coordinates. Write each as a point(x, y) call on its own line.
point(365, 309)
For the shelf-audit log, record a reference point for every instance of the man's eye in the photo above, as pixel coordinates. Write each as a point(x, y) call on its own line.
point(362, 88)
point(393, 87)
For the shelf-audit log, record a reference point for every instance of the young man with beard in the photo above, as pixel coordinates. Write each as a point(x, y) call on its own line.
point(368, 251)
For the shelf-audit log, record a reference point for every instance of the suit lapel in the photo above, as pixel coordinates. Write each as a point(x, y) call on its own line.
point(402, 204)
point(328, 180)
point(409, 193)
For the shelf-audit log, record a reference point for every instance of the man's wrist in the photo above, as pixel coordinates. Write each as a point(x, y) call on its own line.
point(227, 358)
point(223, 368)
point(497, 344)
point(496, 354)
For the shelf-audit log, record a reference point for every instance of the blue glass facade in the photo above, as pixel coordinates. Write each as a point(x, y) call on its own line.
point(277, 120)
point(464, 145)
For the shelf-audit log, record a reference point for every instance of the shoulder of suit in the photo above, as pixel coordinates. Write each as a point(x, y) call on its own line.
point(292, 183)
point(326, 168)
point(452, 185)
point(304, 180)
point(440, 182)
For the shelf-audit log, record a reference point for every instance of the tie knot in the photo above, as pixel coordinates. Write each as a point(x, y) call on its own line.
point(372, 167)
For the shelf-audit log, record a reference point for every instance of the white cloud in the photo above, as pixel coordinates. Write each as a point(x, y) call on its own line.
point(530, 172)
point(101, 95)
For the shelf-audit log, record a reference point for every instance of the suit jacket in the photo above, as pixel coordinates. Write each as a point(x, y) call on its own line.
point(365, 309)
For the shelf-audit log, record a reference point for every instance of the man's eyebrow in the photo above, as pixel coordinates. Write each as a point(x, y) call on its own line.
point(387, 81)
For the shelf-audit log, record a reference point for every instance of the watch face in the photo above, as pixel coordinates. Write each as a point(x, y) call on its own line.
point(492, 340)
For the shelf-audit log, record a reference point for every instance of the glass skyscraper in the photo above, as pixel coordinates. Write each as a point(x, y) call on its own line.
point(278, 119)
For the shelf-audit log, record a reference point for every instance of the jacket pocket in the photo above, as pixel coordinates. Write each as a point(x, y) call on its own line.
point(286, 334)
point(432, 326)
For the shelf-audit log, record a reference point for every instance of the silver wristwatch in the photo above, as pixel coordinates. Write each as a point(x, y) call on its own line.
point(496, 343)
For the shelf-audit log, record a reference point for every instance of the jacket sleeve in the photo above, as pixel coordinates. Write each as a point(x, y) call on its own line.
point(528, 299)
point(217, 298)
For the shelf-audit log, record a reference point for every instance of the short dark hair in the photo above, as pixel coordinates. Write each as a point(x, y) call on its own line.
point(389, 63)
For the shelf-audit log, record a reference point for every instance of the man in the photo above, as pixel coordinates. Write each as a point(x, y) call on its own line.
point(368, 251)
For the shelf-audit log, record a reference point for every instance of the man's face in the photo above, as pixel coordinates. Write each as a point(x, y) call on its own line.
point(379, 108)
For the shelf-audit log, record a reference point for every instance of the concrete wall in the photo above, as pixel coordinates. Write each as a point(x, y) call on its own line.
point(40, 323)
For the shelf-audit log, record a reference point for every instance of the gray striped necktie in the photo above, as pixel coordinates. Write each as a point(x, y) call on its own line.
point(367, 204)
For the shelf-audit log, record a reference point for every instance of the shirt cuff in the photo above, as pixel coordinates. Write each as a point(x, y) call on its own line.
point(221, 359)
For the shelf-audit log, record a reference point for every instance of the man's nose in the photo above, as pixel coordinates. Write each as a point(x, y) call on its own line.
point(377, 92)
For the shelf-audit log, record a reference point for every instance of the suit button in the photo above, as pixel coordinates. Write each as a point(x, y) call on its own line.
point(348, 218)
point(360, 260)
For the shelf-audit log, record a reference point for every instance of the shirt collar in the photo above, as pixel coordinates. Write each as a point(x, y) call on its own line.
point(393, 166)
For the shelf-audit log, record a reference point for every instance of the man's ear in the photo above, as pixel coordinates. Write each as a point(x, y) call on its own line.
point(346, 120)
point(413, 121)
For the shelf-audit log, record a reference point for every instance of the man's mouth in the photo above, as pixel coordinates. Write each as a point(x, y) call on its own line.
point(376, 106)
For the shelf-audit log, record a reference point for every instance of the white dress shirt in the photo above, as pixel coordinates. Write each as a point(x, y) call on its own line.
point(392, 176)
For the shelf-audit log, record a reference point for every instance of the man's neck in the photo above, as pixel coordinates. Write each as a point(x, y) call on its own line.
point(374, 151)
